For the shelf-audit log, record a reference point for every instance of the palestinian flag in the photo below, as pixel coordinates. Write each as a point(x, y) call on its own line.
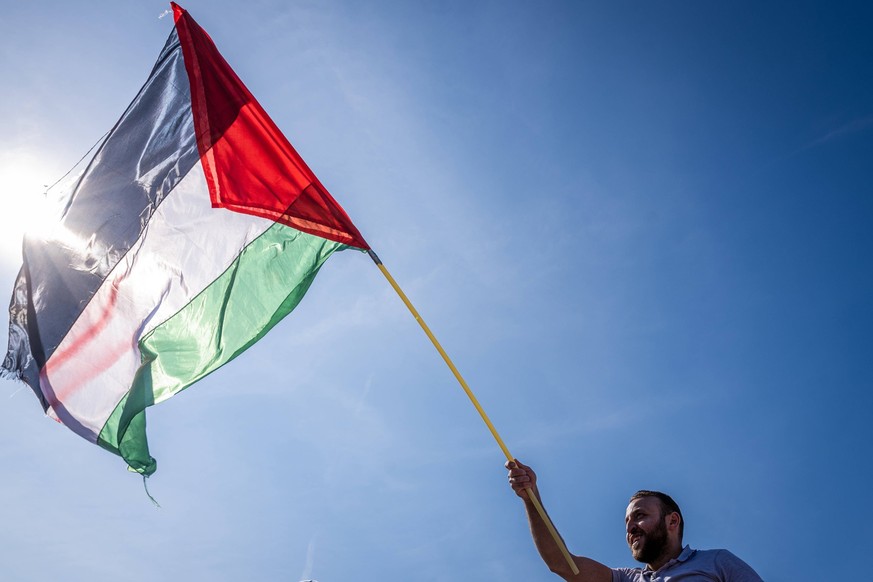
point(192, 231)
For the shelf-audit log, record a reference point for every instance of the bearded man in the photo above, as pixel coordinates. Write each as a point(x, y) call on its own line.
point(654, 526)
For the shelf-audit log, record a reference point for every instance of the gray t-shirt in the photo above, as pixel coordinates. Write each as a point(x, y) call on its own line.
point(692, 566)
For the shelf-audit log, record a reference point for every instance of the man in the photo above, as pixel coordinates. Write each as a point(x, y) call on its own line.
point(654, 527)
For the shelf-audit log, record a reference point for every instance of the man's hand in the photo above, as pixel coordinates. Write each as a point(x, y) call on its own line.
point(521, 477)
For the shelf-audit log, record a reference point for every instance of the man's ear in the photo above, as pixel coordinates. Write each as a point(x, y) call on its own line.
point(673, 521)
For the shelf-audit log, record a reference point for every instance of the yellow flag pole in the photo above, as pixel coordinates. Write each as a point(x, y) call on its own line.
point(533, 498)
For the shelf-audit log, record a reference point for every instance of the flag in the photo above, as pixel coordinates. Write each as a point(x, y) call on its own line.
point(193, 229)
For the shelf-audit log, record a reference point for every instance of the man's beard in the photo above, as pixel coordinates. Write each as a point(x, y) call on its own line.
point(653, 545)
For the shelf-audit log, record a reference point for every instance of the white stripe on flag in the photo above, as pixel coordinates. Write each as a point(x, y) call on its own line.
point(186, 245)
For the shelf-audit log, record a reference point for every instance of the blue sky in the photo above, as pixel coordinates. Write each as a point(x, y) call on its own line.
point(641, 229)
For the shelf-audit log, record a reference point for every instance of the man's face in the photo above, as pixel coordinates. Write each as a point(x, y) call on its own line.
point(646, 529)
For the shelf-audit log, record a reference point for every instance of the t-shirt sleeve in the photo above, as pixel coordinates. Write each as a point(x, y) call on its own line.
point(624, 575)
point(733, 569)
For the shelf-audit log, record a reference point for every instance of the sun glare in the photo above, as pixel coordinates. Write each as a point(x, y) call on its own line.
point(23, 181)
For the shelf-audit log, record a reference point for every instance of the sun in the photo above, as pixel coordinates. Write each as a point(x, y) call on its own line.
point(23, 181)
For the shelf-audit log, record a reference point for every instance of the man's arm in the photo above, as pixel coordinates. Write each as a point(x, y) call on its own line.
point(524, 482)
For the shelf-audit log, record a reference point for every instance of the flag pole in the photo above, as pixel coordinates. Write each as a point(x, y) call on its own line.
point(533, 498)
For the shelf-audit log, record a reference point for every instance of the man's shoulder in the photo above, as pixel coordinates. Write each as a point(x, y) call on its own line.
point(725, 564)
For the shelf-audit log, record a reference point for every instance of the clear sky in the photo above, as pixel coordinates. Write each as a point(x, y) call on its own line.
point(641, 229)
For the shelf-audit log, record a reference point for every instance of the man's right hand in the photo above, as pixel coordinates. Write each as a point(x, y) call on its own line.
point(521, 477)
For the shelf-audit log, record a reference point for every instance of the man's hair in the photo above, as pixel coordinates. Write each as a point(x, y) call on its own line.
point(667, 506)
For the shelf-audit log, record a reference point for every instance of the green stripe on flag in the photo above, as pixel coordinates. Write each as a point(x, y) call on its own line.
point(265, 283)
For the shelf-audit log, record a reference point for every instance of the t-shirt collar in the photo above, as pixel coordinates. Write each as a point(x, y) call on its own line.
point(686, 553)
